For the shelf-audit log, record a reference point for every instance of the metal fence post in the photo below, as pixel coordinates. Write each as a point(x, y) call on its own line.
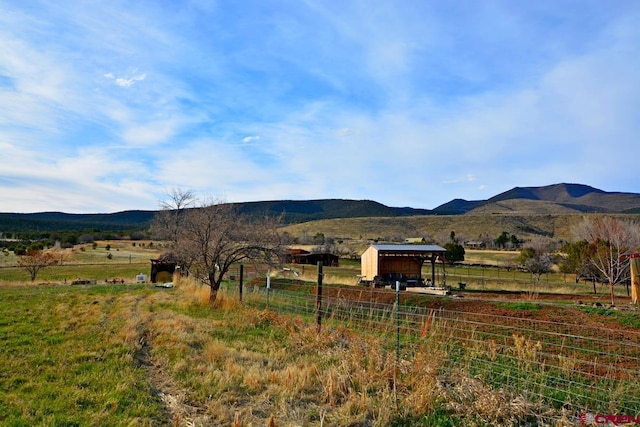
point(397, 321)
point(240, 282)
point(319, 297)
point(268, 285)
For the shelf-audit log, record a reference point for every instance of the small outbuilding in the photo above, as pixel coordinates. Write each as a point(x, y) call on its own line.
point(300, 256)
point(384, 264)
point(162, 271)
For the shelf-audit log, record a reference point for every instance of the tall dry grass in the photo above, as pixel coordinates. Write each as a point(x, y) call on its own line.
point(237, 365)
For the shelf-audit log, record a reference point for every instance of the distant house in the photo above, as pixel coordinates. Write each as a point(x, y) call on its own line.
point(474, 244)
point(386, 263)
point(415, 240)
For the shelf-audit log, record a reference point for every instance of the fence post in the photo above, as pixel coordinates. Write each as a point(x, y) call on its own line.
point(240, 281)
point(268, 285)
point(319, 297)
point(397, 321)
point(395, 368)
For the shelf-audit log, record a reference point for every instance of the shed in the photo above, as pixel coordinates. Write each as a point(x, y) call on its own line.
point(162, 271)
point(385, 263)
point(300, 256)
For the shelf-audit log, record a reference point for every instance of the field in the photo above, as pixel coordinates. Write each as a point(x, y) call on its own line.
point(122, 260)
point(129, 354)
point(136, 355)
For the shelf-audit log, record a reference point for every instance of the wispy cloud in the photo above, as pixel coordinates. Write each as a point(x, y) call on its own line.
point(103, 106)
point(126, 81)
point(249, 139)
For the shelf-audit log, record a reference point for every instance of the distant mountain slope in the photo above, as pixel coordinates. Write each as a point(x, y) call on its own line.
point(522, 207)
point(457, 207)
point(295, 211)
point(566, 197)
point(59, 221)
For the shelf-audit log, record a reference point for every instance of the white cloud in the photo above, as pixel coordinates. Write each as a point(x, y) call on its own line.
point(126, 81)
point(249, 139)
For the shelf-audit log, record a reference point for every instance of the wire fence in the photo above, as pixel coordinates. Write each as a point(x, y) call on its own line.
point(564, 367)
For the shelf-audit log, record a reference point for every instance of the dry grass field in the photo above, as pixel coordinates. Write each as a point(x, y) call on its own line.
point(468, 227)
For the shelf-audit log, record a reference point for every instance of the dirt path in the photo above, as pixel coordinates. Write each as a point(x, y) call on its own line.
point(178, 411)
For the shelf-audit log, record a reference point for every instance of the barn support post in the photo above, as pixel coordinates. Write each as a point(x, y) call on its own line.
point(444, 271)
point(319, 298)
point(433, 270)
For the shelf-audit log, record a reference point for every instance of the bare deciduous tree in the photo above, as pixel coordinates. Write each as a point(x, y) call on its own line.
point(536, 258)
point(35, 260)
point(608, 239)
point(166, 223)
point(213, 236)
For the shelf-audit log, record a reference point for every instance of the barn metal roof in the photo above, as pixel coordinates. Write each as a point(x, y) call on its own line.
point(408, 248)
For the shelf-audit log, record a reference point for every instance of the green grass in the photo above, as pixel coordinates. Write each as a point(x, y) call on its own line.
point(519, 305)
point(628, 319)
point(69, 272)
point(62, 361)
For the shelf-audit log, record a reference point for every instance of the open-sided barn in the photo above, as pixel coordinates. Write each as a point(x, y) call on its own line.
point(384, 264)
point(300, 256)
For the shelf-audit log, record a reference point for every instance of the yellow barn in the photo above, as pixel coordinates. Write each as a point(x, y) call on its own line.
point(384, 264)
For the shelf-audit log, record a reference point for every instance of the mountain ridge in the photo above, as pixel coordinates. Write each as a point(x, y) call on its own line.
point(579, 198)
point(556, 198)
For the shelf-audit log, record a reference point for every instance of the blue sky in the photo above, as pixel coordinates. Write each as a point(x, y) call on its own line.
point(104, 106)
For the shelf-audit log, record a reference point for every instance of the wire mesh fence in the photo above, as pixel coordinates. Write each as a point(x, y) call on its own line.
point(564, 367)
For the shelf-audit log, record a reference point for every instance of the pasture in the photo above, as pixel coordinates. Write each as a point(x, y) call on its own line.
point(130, 354)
